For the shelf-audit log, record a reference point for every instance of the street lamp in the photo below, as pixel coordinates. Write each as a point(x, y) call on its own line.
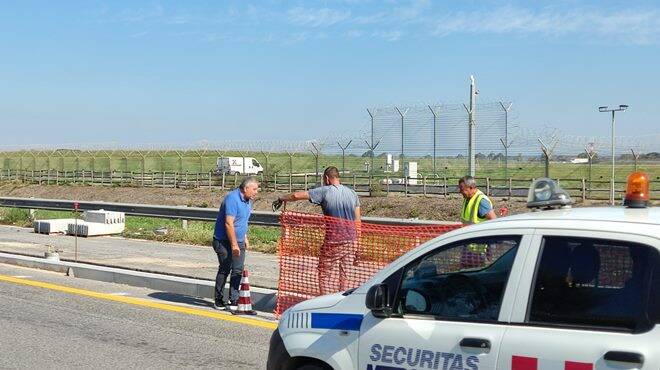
point(621, 108)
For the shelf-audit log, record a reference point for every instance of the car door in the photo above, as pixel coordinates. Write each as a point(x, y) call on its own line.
point(447, 308)
point(589, 301)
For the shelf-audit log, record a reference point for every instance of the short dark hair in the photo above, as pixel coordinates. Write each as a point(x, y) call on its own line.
point(332, 172)
point(468, 180)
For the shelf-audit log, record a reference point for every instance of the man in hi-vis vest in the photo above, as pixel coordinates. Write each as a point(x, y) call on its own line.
point(476, 208)
point(476, 205)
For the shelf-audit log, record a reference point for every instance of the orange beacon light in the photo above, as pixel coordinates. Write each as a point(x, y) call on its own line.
point(637, 190)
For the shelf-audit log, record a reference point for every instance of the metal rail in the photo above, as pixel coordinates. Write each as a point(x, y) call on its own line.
point(175, 212)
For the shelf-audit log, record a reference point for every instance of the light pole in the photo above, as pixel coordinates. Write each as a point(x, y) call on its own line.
point(621, 108)
point(505, 142)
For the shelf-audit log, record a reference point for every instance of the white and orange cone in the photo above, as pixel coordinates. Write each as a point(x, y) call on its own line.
point(244, 300)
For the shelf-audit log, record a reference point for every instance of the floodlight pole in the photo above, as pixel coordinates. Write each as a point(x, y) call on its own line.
point(506, 138)
point(435, 117)
point(603, 109)
point(403, 115)
point(471, 125)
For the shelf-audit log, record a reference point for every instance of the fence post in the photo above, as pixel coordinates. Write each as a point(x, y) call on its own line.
point(222, 186)
point(354, 184)
point(162, 183)
point(235, 180)
point(424, 184)
point(305, 182)
point(510, 187)
point(488, 186)
point(290, 180)
point(387, 183)
point(184, 223)
point(445, 185)
point(210, 175)
point(405, 185)
point(584, 190)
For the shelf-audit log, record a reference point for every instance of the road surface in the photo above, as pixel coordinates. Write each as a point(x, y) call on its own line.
point(52, 321)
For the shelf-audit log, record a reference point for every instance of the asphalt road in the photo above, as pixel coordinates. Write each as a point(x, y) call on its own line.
point(42, 327)
point(181, 259)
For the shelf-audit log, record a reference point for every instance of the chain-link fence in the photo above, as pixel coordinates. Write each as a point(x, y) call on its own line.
point(433, 137)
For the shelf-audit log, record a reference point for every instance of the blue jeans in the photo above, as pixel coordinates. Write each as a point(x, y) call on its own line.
point(228, 264)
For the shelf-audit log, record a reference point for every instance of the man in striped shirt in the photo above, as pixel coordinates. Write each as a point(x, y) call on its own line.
point(341, 208)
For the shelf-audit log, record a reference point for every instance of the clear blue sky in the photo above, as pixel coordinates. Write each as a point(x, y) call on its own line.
point(179, 72)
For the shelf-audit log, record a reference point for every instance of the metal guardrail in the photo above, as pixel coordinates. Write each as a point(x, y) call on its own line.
point(176, 212)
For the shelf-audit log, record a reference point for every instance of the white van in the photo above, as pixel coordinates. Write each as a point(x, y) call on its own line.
point(564, 289)
point(238, 165)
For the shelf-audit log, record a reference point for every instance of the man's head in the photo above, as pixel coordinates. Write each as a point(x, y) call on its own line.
point(249, 187)
point(331, 176)
point(467, 186)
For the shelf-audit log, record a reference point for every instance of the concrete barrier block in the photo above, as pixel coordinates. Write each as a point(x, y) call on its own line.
point(105, 217)
point(84, 228)
point(52, 226)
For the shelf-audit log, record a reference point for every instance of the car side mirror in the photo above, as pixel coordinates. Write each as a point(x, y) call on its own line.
point(377, 300)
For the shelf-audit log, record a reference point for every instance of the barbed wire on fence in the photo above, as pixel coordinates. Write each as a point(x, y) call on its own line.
point(434, 135)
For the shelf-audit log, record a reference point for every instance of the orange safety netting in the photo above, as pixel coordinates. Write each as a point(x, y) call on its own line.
point(321, 255)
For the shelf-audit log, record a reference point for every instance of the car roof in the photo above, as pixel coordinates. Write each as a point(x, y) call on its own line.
point(650, 215)
point(640, 221)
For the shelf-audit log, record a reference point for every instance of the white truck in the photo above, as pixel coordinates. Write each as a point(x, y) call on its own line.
point(238, 165)
point(571, 289)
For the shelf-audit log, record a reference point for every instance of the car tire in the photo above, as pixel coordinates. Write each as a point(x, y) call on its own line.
point(311, 367)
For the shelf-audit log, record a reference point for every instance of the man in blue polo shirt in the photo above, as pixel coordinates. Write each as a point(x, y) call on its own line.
point(230, 240)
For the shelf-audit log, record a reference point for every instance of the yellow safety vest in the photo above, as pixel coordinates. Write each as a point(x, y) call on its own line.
point(470, 212)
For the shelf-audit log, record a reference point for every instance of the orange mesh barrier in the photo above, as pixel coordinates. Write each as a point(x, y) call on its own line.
point(321, 255)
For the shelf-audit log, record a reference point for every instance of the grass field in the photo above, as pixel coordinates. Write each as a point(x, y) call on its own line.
point(263, 239)
point(204, 161)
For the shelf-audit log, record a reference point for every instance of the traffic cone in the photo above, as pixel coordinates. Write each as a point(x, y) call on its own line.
point(244, 300)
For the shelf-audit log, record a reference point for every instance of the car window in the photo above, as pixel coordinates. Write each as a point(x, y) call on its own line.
point(465, 280)
point(597, 283)
point(255, 163)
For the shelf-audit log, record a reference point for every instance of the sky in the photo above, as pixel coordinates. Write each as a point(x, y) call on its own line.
point(134, 72)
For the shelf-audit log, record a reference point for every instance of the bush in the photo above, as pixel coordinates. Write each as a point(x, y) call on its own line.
point(15, 216)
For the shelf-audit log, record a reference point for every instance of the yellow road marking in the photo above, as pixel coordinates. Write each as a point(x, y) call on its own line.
point(141, 302)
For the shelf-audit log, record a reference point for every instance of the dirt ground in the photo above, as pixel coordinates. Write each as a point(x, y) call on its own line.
point(396, 206)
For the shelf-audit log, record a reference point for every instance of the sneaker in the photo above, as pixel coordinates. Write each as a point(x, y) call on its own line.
point(232, 306)
point(220, 305)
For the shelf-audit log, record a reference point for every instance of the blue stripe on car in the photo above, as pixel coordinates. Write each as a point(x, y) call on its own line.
point(337, 321)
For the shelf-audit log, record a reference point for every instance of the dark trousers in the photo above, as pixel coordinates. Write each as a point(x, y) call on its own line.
point(228, 264)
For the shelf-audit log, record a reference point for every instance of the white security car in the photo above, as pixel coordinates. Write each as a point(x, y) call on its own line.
point(561, 289)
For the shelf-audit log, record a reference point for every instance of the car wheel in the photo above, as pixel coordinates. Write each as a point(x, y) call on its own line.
point(311, 367)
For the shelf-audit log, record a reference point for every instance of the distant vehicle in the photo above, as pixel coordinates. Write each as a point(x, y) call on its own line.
point(580, 160)
point(238, 165)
